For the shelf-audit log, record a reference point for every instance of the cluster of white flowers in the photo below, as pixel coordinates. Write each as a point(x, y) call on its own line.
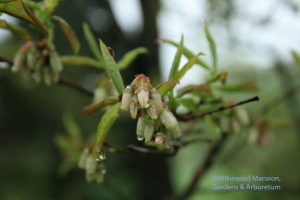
point(154, 117)
point(94, 169)
point(39, 60)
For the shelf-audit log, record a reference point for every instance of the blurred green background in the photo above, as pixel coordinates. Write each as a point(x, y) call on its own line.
point(31, 114)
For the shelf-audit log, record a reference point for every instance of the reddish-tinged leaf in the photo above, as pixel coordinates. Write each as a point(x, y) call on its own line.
point(70, 35)
point(18, 9)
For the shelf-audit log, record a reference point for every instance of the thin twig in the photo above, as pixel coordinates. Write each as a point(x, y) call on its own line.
point(203, 167)
point(190, 116)
point(67, 82)
point(152, 151)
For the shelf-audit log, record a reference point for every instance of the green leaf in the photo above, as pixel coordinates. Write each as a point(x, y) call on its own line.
point(15, 29)
point(242, 87)
point(201, 89)
point(186, 67)
point(92, 42)
point(105, 124)
point(165, 87)
point(18, 9)
point(176, 61)
point(112, 68)
point(212, 46)
point(296, 57)
point(186, 52)
point(68, 31)
point(81, 61)
point(130, 56)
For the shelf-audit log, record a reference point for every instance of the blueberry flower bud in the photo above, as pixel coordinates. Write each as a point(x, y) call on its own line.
point(91, 165)
point(149, 130)
point(152, 111)
point(133, 108)
point(143, 97)
point(83, 159)
point(126, 98)
point(170, 122)
point(55, 62)
point(31, 57)
point(140, 128)
point(157, 102)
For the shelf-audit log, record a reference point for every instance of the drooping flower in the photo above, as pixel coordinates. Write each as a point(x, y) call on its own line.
point(133, 107)
point(143, 97)
point(94, 170)
point(126, 98)
point(145, 102)
point(149, 130)
point(170, 122)
point(38, 60)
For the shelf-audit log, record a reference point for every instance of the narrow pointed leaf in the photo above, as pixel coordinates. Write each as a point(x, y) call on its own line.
point(186, 52)
point(18, 9)
point(176, 61)
point(112, 68)
point(68, 31)
point(105, 124)
point(212, 46)
point(186, 67)
point(130, 56)
point(84, 61)
point(15, 29)
point(92, 42)
point(165, 87)
point(199, 88)
point(296, 57)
